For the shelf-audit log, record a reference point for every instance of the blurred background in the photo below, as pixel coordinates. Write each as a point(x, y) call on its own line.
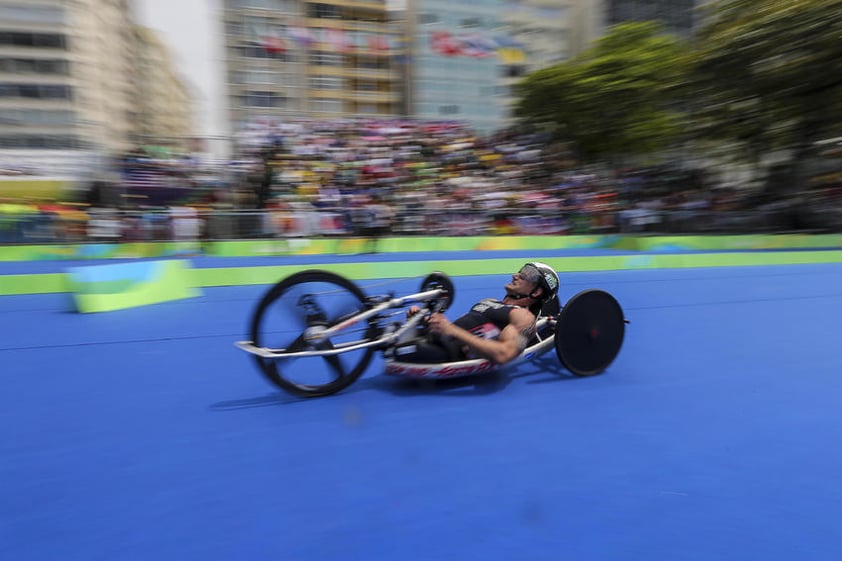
point(146, 120)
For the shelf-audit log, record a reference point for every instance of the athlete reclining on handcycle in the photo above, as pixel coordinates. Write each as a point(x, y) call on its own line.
point(497, 330)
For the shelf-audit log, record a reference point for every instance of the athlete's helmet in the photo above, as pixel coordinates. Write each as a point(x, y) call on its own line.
point(544, 276)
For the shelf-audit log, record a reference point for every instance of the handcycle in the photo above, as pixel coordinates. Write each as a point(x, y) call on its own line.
point(315, 316)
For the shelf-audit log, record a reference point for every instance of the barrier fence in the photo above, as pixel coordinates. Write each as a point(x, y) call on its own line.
point(184, 223)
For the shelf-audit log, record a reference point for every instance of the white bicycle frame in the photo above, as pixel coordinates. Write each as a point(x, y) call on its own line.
point(317, 333)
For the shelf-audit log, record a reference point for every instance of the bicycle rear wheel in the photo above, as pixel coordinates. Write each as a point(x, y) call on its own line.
point(590, 332)
point(305, 300)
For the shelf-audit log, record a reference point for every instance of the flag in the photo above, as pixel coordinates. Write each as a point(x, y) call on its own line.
point(475, 46)
point(337, 40)
point(443, 43)
point(377, 42)
point(302, 36)
point(273, 44)
point(510, 50)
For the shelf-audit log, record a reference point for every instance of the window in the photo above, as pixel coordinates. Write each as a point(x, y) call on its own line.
point(374, 63)
point(36, 91)
point(253, 49)
point(260, 77)
point(514, 70)
point(263, 99)
point(39, 141)
point(326, 83)
point(277, 5)
point(29, 39)
point(32, 14)
point(327, 105)
point(24, 117)
point(34, 66)
point(323, 11)
point(326, 59)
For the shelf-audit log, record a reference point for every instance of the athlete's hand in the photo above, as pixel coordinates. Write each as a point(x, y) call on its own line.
point(412, 311)
point(438, 323)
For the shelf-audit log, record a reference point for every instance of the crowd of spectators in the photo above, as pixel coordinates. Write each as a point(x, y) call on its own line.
point(372, 177)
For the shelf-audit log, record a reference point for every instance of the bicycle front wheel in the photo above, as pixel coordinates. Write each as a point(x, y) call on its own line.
point(298, 304)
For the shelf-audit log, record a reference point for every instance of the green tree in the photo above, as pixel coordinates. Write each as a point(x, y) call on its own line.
point(768, 75)
point(622, 97)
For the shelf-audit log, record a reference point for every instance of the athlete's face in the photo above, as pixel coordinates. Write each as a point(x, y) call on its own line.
point(524, 281)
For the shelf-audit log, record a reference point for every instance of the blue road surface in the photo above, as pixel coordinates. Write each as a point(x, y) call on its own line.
point(145, 434)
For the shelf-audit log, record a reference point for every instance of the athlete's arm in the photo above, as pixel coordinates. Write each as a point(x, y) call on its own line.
point(506, 347)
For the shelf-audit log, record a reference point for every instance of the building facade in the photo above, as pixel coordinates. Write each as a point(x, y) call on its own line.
point(468, 55)
point(543, 33)
point(161, 112)
point(454, 71)
point(677, 16)
point(326, 59)
point(66, 82)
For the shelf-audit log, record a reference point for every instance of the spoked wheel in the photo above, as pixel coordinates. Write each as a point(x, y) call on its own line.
point(440, 280)
point(590, 332)
point(311, 300)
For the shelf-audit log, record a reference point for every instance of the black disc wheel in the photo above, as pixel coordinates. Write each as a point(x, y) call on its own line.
point(298, 305)
point(589, 332)
point(439, 280)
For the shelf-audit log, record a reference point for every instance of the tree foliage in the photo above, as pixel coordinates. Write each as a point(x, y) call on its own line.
point(620, 97)
point(769, 72)
point(765, 74)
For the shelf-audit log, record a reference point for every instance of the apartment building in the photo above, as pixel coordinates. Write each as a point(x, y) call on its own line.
point(326, 59)
point(162, 112)
point(79, 84)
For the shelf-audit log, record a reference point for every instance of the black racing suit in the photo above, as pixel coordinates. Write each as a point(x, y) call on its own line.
point(486, 319)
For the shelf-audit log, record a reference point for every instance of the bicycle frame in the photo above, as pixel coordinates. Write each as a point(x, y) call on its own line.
point(317, 333)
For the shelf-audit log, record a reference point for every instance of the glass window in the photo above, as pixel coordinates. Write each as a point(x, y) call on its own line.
point(327, 105)
point(32, 14)
point(34, 66)
point(262, 99)
point(260, 77)
point(326, 59)
point(39, 141)
point(428, 18)
point(28, 39)
point(327, 83)
point(254, 49)
point(323, 11)
point(32, 117)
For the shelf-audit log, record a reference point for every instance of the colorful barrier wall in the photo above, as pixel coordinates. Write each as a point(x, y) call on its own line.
point(351, 246)
point(104, 288)
point(99, 251)
point(639, 253)
point(257, 275)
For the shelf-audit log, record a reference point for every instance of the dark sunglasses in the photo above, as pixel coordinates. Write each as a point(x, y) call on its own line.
point(531, 274)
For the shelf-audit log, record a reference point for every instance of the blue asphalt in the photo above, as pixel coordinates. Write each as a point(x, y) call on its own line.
point(145, 434)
